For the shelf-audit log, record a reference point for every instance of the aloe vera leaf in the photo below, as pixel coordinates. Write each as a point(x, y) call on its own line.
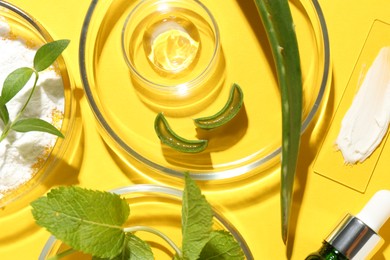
point(227, 113)
point(173, 140)
point(278, 22)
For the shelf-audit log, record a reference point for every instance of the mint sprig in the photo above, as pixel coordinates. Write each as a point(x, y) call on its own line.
point(17, 80)
point(89, 221)
point(197, 220)
point(93, 222)
point(134, 249)
point(222, 246)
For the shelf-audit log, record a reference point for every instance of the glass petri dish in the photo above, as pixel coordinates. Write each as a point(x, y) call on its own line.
point(158, 207)
point(26, 28)
point(248, 146)
point(172, 49)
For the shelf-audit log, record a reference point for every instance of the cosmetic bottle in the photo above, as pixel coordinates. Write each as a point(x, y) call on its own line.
point(356, 237)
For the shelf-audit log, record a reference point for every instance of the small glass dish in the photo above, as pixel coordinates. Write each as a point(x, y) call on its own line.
point(158, 207)
point(250, 145)
point(172, 49)
point(27, 30)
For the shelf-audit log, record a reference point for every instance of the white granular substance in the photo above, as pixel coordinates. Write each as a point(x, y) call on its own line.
point(20, 152)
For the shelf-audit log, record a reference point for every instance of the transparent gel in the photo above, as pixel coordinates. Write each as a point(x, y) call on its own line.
point(172, 44)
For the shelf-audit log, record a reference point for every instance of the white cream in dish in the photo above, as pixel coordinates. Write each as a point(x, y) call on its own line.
point(23, 154)
point(366, 122)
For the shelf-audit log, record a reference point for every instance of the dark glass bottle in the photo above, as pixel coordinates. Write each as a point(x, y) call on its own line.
point(356, 237)
point(351, 239)
point(326, 252)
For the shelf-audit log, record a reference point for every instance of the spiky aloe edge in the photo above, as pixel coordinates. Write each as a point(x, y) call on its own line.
point(278, 22)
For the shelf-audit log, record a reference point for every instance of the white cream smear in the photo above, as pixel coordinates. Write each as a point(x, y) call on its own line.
point(366, 122)
point(22, 154)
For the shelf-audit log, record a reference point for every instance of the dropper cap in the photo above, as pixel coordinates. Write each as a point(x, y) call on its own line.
point(376, 212)
point(356, 237)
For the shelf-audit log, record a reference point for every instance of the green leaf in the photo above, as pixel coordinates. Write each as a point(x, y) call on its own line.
point(135, 249)
point(222, 245)
point(227, 113)
point(35, 124)
point(138, 249)
point(86, 220)
point(197, 217)
point(48, 53)
point(173, 140)
point(14, 82)
point(4, 115)
point(278, 23)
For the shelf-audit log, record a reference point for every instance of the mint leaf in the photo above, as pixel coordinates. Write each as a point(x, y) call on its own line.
point(139, 249)
point(222, 245)
point(135, 249)
point(4, 115)
point(35, 124)
point(14, 82)
point(48, 53)
point(86, 220)
point(197, 217)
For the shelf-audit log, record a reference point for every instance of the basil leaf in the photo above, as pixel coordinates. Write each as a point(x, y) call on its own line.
point(4, 115)
point(35, 124)
point(14, 82)
point(48, 53)
point(222, 245)
point(135, 249)
point(86, 220)
point(197, 217)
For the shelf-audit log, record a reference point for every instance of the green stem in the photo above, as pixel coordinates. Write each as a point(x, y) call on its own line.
point(156, 232)
point(29, 97)
point(277, 20)
point(5, 131)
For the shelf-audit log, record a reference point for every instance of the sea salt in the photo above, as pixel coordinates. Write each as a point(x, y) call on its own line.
point(21, 154)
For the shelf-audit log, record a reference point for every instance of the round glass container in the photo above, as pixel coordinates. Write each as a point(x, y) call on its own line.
point(172, 49)
point(250, 145)
point(158, 207)
point(29, 30)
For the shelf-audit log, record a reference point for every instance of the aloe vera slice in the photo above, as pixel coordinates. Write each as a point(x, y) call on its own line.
point(277, 20)
point(227, 113)
point(170, 138)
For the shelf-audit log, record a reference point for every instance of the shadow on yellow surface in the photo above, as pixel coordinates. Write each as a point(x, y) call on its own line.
point(310, 145)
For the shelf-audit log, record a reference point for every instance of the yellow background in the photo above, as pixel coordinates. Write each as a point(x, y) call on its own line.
point(253, 208)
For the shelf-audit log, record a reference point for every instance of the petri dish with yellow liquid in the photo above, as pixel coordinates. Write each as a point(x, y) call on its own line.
point(172, 49)
point(160, 208)
point(126, 99)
